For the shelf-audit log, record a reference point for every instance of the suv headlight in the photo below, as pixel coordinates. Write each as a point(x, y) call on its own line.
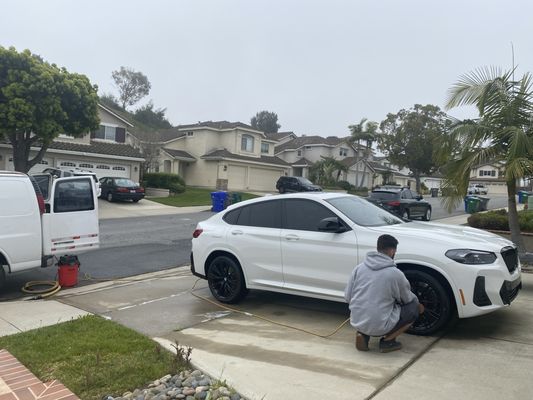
point(468, 256)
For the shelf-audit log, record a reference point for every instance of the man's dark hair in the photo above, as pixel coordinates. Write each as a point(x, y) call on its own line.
point(387, 242)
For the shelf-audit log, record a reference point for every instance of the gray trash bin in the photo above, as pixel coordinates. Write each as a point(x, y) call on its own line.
point(434, 192)
point(484, 203)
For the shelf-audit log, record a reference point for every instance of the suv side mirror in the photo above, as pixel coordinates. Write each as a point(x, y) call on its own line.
point(331, 224)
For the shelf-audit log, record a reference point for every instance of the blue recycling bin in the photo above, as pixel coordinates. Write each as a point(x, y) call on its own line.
point(218, 201)
point(522, 196)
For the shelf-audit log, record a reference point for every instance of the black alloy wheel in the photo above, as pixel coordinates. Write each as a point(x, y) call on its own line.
point(436, 301)
point(226, 280)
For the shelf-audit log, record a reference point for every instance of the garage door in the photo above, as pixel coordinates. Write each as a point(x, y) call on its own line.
point(44, 163)
point(100, 169)
point(263, 179)
point(236, 177)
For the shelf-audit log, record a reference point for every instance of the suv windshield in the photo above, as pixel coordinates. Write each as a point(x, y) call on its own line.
point(362, 212)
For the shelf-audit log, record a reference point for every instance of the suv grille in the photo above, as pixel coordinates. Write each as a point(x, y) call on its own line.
point(509, 291)
point(510, 256)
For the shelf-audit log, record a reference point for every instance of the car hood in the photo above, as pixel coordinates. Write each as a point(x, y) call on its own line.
point(449, 236)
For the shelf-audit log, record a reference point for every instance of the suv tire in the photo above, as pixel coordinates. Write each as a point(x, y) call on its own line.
point(226, 280)
point(436, 300)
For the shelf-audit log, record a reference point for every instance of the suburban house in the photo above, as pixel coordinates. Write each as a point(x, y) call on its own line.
point(103, 152)
point(214, 154)
point(491, 174)
point(302, 152)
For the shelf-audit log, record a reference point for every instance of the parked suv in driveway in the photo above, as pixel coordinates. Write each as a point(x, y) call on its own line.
point(401, 201)
point(478, 189)
point(296, 184)
point(308, 244)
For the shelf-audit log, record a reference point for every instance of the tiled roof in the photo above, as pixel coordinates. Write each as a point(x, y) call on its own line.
point(376, 166)
point(309, 140)
point(179, 154)
point(218, 125)
point(302, 162)
point(277, 135)
point(223, 153)
point(156, 135)
point(98, 147)
point(349, 161)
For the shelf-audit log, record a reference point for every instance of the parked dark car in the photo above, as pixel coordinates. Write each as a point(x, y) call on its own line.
point(401, 201)
point(296, 184)
point(114, 188)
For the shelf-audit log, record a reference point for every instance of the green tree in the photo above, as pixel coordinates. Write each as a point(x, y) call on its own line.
point(108, 100)
point(154, 118)
point(39, 101)
point(410, 138)
point(326, 171)
point(132, 85)
point(265, 121)
point(502, 132)
point(365, 131)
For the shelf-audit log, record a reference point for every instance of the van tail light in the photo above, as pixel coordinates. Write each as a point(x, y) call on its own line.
point(40, 201)
point(122, 190)
point(393, 203)
point(197, 232)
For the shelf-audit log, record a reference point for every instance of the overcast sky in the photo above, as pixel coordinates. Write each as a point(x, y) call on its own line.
point(320, 65)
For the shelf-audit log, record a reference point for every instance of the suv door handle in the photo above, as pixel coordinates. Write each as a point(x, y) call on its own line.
point(291, 236)
point(236, 232)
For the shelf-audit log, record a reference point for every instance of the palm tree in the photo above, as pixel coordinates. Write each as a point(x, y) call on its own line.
point(503, 132)
point(364, 131)
point(326, 171)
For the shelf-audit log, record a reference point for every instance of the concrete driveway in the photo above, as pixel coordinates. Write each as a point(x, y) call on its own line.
point(487, 357)
point(144, 208)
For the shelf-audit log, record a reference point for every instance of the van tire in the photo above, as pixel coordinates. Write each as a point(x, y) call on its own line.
point(2, 277)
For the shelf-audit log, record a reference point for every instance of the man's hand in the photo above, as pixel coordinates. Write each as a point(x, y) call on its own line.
point(421, 308)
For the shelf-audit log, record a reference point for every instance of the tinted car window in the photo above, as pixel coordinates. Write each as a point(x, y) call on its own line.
point(304, 215)
point(43, 181)
point(363, 212)
point(266, 214)
point(73, 195)
point(232, 216)
point(406, 194)
point(384, 195)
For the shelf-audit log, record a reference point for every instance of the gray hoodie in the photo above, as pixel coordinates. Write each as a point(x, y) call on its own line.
point(375, 292)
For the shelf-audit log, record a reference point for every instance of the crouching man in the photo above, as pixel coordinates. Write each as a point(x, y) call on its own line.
point(380, 298)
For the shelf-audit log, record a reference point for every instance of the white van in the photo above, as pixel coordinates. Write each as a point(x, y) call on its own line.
point(35, 228)
point(66, 172)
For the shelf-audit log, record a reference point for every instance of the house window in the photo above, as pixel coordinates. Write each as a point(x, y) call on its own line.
point(299, 153)
point(86, 166)
point(106, 132)
point(101, 166)
point(190, 133)
point(67, 164)
point(343, 152)
point(119, 169)
point(480, 172)
point(44, 162)
point(247, 143)
point(264, 148)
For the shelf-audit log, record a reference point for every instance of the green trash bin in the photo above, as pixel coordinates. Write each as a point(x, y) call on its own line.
point(473, 204)
point(525, 196)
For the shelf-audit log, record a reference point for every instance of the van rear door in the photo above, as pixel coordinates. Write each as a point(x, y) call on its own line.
point(70, 223)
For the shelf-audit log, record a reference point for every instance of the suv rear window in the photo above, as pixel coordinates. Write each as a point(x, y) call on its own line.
point(384, 195)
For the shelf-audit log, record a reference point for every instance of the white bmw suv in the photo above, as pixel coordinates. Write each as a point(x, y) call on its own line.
point(308, 243)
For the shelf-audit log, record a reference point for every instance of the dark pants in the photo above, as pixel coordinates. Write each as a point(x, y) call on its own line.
point(408, 314)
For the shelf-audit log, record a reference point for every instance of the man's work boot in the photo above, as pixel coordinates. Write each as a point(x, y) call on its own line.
point(361, 341)
point(386, 346)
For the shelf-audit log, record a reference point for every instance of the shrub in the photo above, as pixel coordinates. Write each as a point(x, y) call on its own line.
point(345, 185)
point(498, 220)
point(163, 180)
point(176, 188)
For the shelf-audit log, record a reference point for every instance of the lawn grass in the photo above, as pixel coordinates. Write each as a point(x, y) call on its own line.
point(91, 356)
point(193, 197)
